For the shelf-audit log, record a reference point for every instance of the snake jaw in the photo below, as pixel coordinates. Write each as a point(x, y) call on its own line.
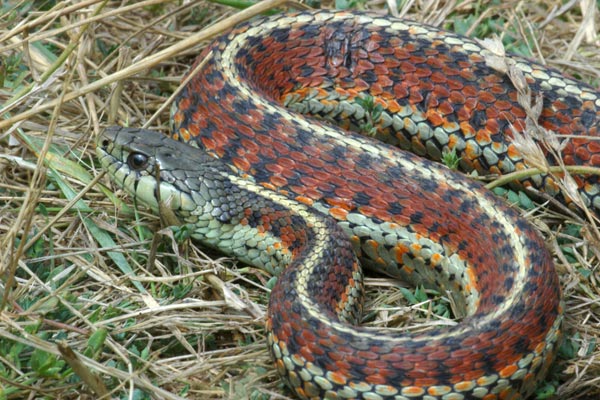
point(134, 169)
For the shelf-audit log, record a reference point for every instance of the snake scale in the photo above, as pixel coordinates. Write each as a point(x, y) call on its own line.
point(312, 202)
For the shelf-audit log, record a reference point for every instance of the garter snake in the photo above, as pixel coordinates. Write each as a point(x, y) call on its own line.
point(268, 184)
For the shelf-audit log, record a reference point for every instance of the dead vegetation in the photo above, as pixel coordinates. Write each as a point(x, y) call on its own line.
point(95, 303)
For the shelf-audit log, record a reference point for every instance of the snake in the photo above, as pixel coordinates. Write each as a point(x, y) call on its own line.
point(269, 163)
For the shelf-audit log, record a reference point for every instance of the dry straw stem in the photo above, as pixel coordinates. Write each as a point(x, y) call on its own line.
point(149, 61)
point(148, 315)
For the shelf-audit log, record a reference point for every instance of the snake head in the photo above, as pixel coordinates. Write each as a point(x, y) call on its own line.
point(226, 210)
point(154, 168)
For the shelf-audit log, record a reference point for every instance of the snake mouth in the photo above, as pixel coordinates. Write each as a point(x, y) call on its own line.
point(131, 169)
point(159, 171)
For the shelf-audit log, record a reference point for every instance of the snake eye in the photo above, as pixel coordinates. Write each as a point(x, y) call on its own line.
point(137, 161)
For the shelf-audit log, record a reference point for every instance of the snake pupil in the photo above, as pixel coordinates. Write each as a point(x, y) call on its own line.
point(137, 161)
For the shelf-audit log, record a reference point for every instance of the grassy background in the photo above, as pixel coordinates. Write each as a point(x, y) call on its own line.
point(96, 300)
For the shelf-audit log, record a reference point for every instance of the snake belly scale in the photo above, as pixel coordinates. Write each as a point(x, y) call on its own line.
point(301, 198)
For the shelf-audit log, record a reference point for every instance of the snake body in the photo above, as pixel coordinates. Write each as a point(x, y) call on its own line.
point(267, 185)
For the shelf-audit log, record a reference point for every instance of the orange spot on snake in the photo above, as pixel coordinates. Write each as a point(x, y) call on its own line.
point(338, 378)
point(436, 258)
point(376, 379)
point(278, 181)
point(413, 391)
point(269, 186)
point(399, 250)
point(241, 163)
point(462, 386)
point(305, 200)
point(338, 213)
point(508, 371)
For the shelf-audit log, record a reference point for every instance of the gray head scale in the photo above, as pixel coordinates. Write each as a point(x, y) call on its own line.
point(193, 184)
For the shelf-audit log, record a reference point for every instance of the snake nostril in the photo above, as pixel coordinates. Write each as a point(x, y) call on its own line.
point(105, 143)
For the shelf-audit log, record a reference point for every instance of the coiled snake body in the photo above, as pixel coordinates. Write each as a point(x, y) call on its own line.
point(280, 178)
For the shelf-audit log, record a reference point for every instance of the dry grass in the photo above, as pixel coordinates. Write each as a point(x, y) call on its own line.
point(95, 303)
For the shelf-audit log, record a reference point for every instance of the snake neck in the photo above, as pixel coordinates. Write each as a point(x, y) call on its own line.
point(230, 214)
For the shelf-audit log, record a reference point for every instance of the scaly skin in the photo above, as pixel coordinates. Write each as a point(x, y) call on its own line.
point(491, 259)
point(404, 216)
point(435, 88)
